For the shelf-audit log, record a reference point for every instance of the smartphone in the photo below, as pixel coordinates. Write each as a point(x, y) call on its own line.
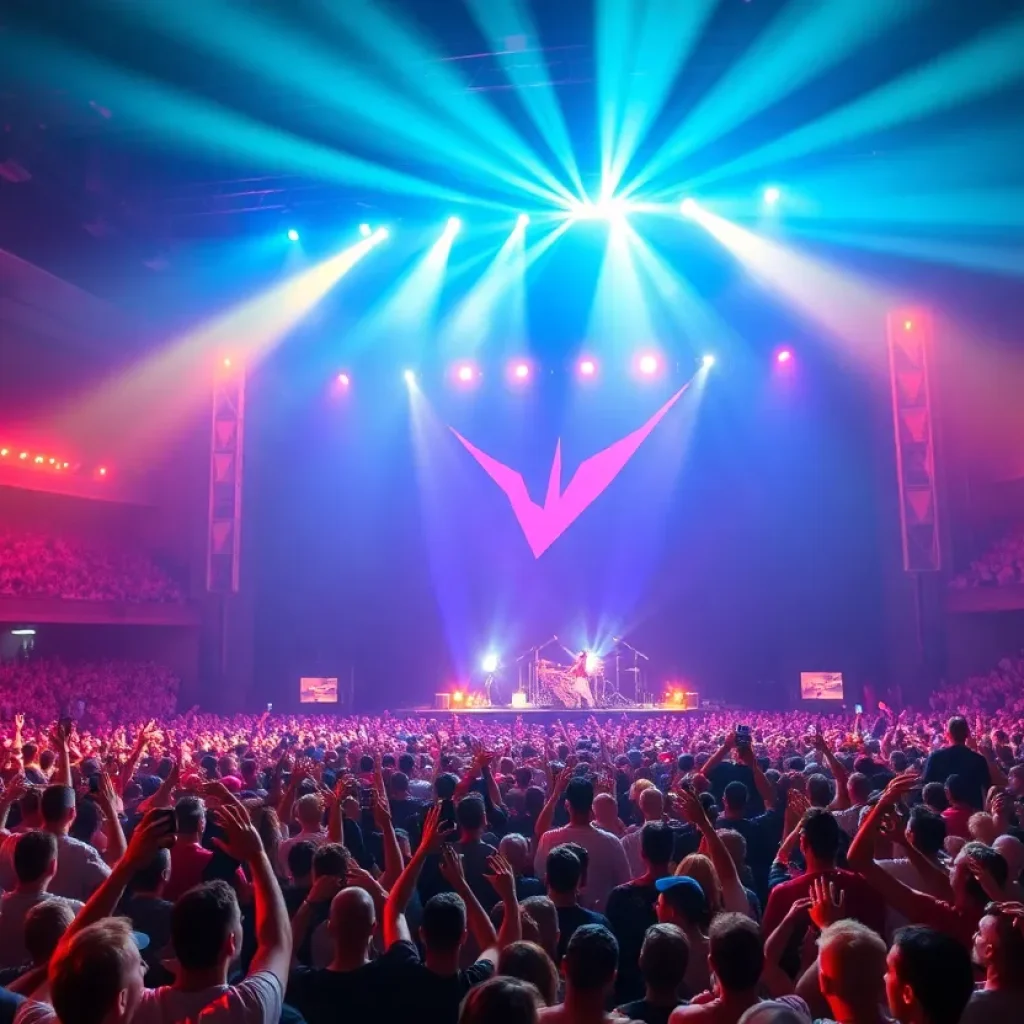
point(742, 735)
point(448, 813)
point(270, 706)
point(166, 815)
point(858, 709)
point(365, 798)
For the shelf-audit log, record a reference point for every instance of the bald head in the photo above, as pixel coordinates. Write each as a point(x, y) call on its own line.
point(605, 808)
point(353, 919)
point(652, 804)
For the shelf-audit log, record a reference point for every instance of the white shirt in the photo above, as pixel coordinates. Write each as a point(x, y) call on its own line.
point(317, 838)
point(631, 843)
point(256, 1000)
point(14, 907)
point(607, 865)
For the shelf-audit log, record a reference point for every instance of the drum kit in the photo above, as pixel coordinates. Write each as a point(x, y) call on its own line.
point(551, 683)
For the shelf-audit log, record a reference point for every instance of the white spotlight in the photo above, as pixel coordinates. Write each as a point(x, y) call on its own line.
point(489, 663)
point(454, 226)
point(772, 194)
point(410, 377)
point(523, 220)
point(708, 361)
point(688, 207)
point(365, 230)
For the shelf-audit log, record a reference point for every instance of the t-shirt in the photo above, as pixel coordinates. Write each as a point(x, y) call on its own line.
point(994, 1007)
point(957, 819)
point(80, 870)
point(320, 995)
point(571, 918)
point(732, 771)
point(14, 906)
point(420, 995)
point(862, 902)
point(962, 761)
point(630, 913)
point(188, 862)
point(649, 1013)
point(256, 1000)
point(151, 916)
point(316, 838)
point(607, 865)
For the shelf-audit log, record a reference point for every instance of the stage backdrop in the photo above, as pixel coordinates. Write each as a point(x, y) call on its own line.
point(724, 525)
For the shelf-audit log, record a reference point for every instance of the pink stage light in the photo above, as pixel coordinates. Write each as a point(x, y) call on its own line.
point(521, 371)
point(588, 368)
point(344, 380)
point(784, 355)
point(648, 365)
point(465, 373)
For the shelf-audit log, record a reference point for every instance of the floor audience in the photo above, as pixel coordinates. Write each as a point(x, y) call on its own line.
point(268, 868)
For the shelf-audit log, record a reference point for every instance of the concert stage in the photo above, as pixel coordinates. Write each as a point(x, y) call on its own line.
point(508, 714)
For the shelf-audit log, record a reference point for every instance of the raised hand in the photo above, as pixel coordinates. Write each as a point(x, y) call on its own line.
point(155, 832)
point(900, 786)
point(435, 831)
point(381, 810)
point(242, 841)
point(105, 794)
point(691, 808)
point(828, 903)
point(324, 889)
point(451, 867)
point(797, 806)
point(19, 720)
point(502, 878)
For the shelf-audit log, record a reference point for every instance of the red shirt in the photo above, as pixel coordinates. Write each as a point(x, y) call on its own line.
point(187, 866)
point(862, 902)
point(956, 819)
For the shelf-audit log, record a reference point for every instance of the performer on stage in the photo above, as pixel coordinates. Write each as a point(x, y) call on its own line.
point(581, 680)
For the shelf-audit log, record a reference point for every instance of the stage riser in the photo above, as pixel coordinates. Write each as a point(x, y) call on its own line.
point(544, 715)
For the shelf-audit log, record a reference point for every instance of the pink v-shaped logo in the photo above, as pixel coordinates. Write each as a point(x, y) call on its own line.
point(544, 524)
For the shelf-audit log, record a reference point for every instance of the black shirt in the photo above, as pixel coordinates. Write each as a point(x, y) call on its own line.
point(324, 996)
point(571, 918)
point(151, 916)
point(631, 911)
point(420, 994)
point(962, 761)
point(732, 771)
point(640, 1009)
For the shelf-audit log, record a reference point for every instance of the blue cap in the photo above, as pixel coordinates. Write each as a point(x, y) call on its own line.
point(685, 895)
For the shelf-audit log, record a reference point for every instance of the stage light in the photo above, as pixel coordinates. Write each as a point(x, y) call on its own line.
point(784, 355)
point(908, 325)
point(587, 367)
point(708, 361)
point(458, 697)
point(465, 373)
point(520, 700)
point(593, 663)
point(23, 456)
point(489, 663)
point(38, 460)
point(383, 234)
point(410, 377)
point(23, 632)
point(227, 364)
point(344, 380)
point(293, 235)
point(66, 464)
point(520, 371)
point(4, 452)
point(51, 460)
point(648, 365)
point(103, 470)
point(772, 195)
point(454, 226)
point(688, 207)
point(365, 230)
point(523, 220)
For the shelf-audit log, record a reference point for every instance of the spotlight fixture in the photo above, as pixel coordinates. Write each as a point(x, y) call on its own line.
point(648, 365)
point(454, 226)
point(520, 370)
point(772, 194)
point(489, 663)
point(908, 325)
point(465, 372)
point(344, 380)
point(708, 361)
point(688, 207)
point(587, 367)
point(784, 355)
point(365, 230)
point(522, 221)
point(410, 377)
point(293, 235)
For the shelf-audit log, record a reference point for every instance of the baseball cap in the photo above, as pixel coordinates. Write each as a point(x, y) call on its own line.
point(685, 894)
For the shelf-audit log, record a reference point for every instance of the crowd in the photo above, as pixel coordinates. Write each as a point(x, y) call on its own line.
point(100, 694)
point(1002, 565)
point(782, 869)
point(41, 565)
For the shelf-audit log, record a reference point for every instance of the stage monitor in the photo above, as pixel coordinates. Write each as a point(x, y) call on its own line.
point(314, 690)
point(821, 685)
